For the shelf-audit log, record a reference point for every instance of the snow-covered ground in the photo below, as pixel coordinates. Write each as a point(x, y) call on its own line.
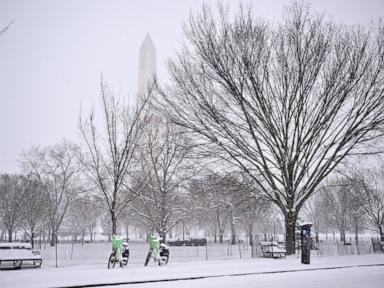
point(338, 271)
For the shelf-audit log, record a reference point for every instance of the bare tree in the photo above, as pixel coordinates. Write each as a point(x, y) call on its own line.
point(11, 193)
point(316, 211)
point(34, 205)
point(285, 103)
point(369, 184)
point(270, 224)
point(57, 169)
point(252, 212)
point(210, 205)
point(166, 152)
point(110, 157)
point(82, 216)
point(219, 200)
point(342, 205)
point(126, 219)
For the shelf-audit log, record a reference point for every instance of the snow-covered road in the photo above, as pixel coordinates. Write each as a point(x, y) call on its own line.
point(358, 271)
point(367, 277)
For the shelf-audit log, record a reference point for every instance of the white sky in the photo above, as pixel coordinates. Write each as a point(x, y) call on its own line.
point(53, 55)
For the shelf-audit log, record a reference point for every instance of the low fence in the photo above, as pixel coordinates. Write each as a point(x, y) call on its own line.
point(69, 254)
point(334, 248)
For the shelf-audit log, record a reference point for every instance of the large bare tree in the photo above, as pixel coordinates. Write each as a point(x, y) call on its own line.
point(284, 103)
point(110, 155)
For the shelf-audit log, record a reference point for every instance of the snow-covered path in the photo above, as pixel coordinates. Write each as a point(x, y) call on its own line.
point(358, 271)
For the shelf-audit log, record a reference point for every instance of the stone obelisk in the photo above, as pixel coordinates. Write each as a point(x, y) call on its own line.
point(147, 66)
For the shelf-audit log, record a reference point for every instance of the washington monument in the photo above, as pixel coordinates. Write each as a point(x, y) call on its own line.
point(147, 65)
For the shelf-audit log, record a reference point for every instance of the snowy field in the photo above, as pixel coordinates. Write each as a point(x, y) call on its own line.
point(339, 271)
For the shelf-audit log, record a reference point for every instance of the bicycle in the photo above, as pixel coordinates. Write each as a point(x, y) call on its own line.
point(120, 253)
point(159, 253)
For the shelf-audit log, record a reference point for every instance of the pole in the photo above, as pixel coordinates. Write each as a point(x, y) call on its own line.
point(55, 235)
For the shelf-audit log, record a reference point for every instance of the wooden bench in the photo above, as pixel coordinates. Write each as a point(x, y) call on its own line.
point(271, 249)
point(14, 255)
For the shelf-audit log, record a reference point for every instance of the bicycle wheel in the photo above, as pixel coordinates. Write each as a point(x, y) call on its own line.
point(17, 264)
point(111, 261)
point(147, 259)
point(125, 258)
point(163, 260)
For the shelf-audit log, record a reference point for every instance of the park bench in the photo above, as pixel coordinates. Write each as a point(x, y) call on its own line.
point(16, 254)
point(271, 249)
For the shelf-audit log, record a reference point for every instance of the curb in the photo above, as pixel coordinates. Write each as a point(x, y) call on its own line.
point(218, 276)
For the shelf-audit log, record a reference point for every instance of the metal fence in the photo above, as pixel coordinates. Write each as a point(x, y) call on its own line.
point(334, 248)
point(69, 254)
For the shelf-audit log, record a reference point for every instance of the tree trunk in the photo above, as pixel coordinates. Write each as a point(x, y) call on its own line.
point(233, 230)
point(53, 238)
point(114, 222)
point(10, 232)
point(342, 236)
point(250, 234)
point(290, 228)
point(381, 232)
point(2, 235)
point(183, 231)
point(162, 235)
point(317, 237)
point(221, 238)
point(127, 229)
point(33, 239)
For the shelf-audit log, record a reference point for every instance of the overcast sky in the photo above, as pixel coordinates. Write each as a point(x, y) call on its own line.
point(52, 57)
